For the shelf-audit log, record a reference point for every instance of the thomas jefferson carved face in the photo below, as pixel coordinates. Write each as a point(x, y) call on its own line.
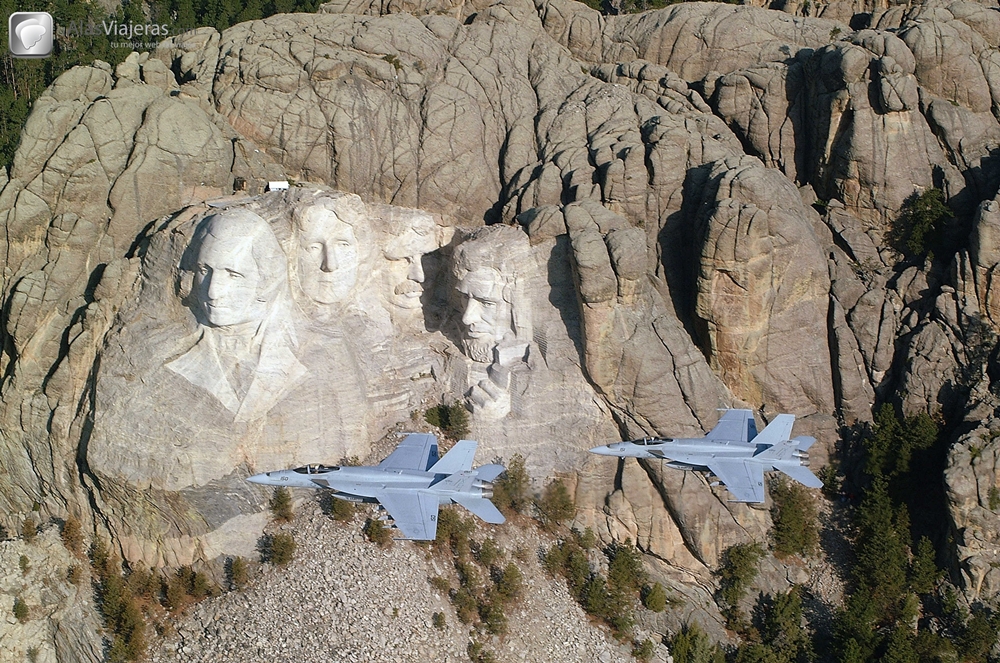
point(228, 284)
point(329, 252)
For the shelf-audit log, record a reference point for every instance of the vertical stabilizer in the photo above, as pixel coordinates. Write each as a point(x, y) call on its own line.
point(458, 459)
point(777, 431)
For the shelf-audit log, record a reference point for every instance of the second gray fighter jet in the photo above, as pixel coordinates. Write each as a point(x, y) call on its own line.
point(411, 483)
point(733, 451)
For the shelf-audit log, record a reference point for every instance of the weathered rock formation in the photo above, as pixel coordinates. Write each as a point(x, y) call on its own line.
point(655, 174)
point(61, 623)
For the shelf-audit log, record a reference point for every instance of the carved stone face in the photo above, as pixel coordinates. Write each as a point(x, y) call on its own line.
point(328, 256)
point(405, 253)
point(226, 279)
point(486, 315)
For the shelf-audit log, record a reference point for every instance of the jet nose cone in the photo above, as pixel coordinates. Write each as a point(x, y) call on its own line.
point(259, 478)
point(605, 450)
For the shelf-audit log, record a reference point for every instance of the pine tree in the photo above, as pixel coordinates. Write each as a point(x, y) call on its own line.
point(978, 637)
point(281, 505)
point(793, 514)
point(692, 645)
point(738, 569)
point(880, 446)
point(252, 10)
point(555, 504)
point(899, 647)
point(510, 490)
point(924, 572)
point(882, 548)
point(855, 635)
point(921, 223)
point(625, 571)
point(782, 628)
point(654, 598)
point(184, 11)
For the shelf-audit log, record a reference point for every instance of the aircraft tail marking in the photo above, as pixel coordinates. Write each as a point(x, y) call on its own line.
point(458, 459)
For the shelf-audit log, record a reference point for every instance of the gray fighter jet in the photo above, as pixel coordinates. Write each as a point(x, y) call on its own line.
point(733, 451)
point(411, 483)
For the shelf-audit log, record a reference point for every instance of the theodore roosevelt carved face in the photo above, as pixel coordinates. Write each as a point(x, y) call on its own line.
point(415, 236)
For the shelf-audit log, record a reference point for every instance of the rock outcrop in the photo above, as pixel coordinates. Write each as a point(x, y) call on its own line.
point(62, 623)
point(973, 480)
point(654, 174)
point(101, 156)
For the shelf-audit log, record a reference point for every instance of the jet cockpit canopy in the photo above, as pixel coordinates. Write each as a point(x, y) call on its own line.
point(653, 440)
point(316, 468)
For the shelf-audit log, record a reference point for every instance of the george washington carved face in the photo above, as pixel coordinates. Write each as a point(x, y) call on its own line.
point(238, 268)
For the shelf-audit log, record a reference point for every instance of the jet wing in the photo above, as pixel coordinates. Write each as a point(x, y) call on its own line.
point(414, 512)
point(734, 426)
point(413, 453)
point(744, 480)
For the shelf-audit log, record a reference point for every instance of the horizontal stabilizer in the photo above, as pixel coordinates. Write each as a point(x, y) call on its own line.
point(804, 442)
point(458, 458)
point(801, 474)
point(489, 472)
point(482, 507)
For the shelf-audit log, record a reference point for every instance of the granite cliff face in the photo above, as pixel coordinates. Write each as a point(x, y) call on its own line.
point(654, 254)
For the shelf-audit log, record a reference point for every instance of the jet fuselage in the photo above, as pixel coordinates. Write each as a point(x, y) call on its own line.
point(411, 483)
point(362, 482)
point(679, 453)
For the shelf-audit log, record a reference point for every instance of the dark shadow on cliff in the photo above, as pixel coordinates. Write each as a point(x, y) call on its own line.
point(796, 94)
point(433, 299)
point(681, 240)
point(562, 296)
point(7, 347)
